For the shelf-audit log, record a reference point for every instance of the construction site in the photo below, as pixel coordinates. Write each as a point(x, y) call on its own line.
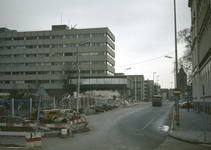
point(57, 118)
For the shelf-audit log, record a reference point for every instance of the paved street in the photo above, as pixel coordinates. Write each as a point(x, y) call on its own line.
point(139, 127)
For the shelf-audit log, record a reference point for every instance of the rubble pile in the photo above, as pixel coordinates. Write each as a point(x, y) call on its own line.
point(100, 94)
point(118, 99)
point(120, 102)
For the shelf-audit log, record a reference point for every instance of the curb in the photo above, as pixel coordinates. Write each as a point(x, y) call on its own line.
point(194, 141)
point(14, 147)
point(186, 140)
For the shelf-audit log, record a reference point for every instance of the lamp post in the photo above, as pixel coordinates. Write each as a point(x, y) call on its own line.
point(135, 90)
point(157, 78)
point(171, 84)
point(158, 91)
point(124, 83)
point(78, 74)
point(153, 83)
point(153, 75)
point(176, 69)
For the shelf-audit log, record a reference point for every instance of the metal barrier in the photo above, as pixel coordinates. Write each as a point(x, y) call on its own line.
point(25, 106)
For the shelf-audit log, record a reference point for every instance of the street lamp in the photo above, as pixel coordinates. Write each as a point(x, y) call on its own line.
point(153, 83)
point(153, 75)
point(157, 78)
point(169, 57)
point(135, 89)
point(124, 83)
point(171, 84)
point(176, 81)
point(174, 69)
point(78, 74)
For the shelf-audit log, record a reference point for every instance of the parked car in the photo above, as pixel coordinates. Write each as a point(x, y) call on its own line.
point(184, 105)
point(63, 111)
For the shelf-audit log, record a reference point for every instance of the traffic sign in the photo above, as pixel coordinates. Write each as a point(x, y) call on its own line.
point(177, 92)
point(41, 92)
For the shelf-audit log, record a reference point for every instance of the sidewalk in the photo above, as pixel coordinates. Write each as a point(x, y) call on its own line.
point(191, 127)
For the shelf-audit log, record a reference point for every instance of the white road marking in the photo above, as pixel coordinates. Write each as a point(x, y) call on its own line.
point(165, 128)
point(136, 110)
point(150, 121)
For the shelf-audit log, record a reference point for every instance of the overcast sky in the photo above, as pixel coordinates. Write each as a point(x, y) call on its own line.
point(144, 29)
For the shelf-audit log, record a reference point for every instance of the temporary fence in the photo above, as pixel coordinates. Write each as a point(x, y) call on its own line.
point(24, 107)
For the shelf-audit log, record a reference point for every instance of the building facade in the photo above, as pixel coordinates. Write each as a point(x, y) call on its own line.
point(51, 58)
point(201, 50)
point(148, 90)
point(138, 87)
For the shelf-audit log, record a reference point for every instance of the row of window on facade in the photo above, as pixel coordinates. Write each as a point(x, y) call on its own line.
point(56, 72)
point(56, 55)
point(57, 37)
point(30, 81)
point(55, 46)
point(57, 63)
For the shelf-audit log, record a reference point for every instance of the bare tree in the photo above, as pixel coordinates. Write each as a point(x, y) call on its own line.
point(67, 77)
point(184, 36)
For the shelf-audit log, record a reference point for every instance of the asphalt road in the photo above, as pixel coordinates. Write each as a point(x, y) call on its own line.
point(138, 127)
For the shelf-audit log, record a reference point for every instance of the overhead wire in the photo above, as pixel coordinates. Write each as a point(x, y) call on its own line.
point(145, 60)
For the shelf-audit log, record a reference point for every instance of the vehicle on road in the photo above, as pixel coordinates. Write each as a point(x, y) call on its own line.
point(156, 100)
point(184, 105)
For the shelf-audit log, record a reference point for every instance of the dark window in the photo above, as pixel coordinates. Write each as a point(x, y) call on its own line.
point(18, 38)
point(31, 46)
point(44, 37)
point(71, 36)
point(57, 37)
point(30, 72)
point(30, 81)
point(31, 38)
point(68, 54)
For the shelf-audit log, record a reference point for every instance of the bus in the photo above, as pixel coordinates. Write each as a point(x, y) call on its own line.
point(156, 100)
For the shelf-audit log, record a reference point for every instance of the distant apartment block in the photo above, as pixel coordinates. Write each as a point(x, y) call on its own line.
point(29, 59)
point(148, 90)
point(138, 87)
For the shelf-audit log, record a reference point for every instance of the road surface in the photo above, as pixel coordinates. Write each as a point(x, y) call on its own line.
point(138, 127)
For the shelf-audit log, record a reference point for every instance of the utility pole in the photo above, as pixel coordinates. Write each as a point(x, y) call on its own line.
point(176, 70)
point(78, 74)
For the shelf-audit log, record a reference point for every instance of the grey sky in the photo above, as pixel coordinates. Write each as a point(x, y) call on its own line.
point(144, 29)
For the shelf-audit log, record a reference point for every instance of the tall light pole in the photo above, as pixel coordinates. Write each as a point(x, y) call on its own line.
point(135, 90)
point(153, 83)
point(124, 84)
point(171, 84)
point(153, 75)
point(157, 78)
point(176, 71)
point(157, 89)
point(174, 68)
point(78, 74)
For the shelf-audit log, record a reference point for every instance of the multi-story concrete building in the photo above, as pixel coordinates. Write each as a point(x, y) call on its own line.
point(28, 59)
point(138, 87)
point(201, 50)
point(148, 90)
